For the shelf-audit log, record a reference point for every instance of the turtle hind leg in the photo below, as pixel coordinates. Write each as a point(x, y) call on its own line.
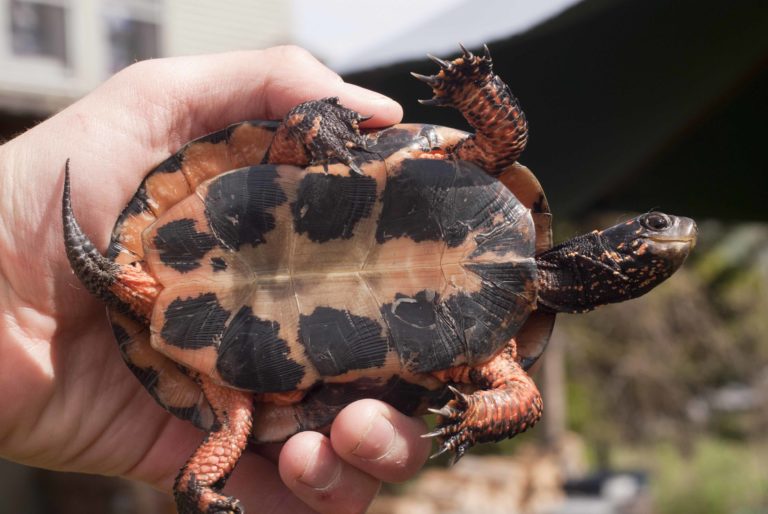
point(317, 132)
point(197, 487)
point(469, 85)
point(507, 404)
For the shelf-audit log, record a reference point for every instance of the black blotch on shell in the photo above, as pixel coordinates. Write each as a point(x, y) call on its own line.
point(239, 205)
point(330, 206)
point(412, 200)
point(431, 332)
point(420, 336)
point(220, 136)
point(337, 341)
point(147, 376)
point(252, 355)
point(218, 264)
point(498, 310)
point(194, 323)
point(171, 165)
point(181, 246)
point(437, 200)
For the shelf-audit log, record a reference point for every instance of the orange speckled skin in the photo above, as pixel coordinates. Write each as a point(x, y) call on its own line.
point(137, 288)
point(213, 461)
point(469, 85)
point(507, 403)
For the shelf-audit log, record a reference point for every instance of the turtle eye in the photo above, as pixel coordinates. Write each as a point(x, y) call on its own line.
point(655, 221)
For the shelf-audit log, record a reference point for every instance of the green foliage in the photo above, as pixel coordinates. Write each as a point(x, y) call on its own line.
point(635, 368)
point(719, 477)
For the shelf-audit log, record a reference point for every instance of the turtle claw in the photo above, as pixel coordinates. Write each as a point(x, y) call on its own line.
point(461, 398)
point(450, 84)
point(427, 79)
point(443, 64)
point(454, 444)
point(434, 433)
point(433, 102)
point(443, 448)
point(447, 411)
point(453, 432)
point(354, 167)
point(467, 53)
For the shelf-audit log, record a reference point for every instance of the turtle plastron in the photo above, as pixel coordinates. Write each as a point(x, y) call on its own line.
point(301, 265)
point(507, 404)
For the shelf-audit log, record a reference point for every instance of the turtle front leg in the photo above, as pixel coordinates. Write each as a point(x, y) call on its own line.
point(316, 132)
point(469, 85)
point(507, 404)
point(198, 485)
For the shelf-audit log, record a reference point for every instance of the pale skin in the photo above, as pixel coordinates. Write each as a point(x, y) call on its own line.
point(68, 401)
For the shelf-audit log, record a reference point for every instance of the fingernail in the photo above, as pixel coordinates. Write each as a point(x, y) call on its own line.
point(377, 441)
point(323, 468)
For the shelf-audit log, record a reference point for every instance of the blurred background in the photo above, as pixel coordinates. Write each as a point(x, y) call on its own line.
point(658, 405)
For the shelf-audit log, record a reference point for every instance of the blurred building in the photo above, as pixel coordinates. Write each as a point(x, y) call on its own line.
point(54, 51)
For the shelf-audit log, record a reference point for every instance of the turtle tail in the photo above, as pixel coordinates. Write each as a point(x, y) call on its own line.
point(127, 288)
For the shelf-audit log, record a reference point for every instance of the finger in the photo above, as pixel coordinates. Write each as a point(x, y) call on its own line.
point(376, 438)
point(312, 470)
point(212, 91)
point(256, 483)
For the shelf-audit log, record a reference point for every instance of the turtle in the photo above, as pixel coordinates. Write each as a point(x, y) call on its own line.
point(268, 274)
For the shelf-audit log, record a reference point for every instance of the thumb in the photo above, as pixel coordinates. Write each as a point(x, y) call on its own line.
point(206, 93)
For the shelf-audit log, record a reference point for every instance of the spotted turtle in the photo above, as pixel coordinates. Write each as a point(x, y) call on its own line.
point(265, 276)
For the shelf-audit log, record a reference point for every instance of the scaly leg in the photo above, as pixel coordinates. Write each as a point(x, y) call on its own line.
point(507, 403)
point(469, 85)
point(198, 485)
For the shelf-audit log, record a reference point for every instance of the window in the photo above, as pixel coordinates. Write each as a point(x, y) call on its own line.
point(130, 41)
point(38, 29)
point(133, 30)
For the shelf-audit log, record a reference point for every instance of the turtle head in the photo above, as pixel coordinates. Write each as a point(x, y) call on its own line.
point(615, 264)
point(647, 249)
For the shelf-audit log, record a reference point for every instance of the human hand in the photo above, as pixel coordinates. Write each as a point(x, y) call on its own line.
point(69, 402)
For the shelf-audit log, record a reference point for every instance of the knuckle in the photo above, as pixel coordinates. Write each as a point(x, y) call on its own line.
point(294, 57)
point(144, 68)
point(293, 53)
